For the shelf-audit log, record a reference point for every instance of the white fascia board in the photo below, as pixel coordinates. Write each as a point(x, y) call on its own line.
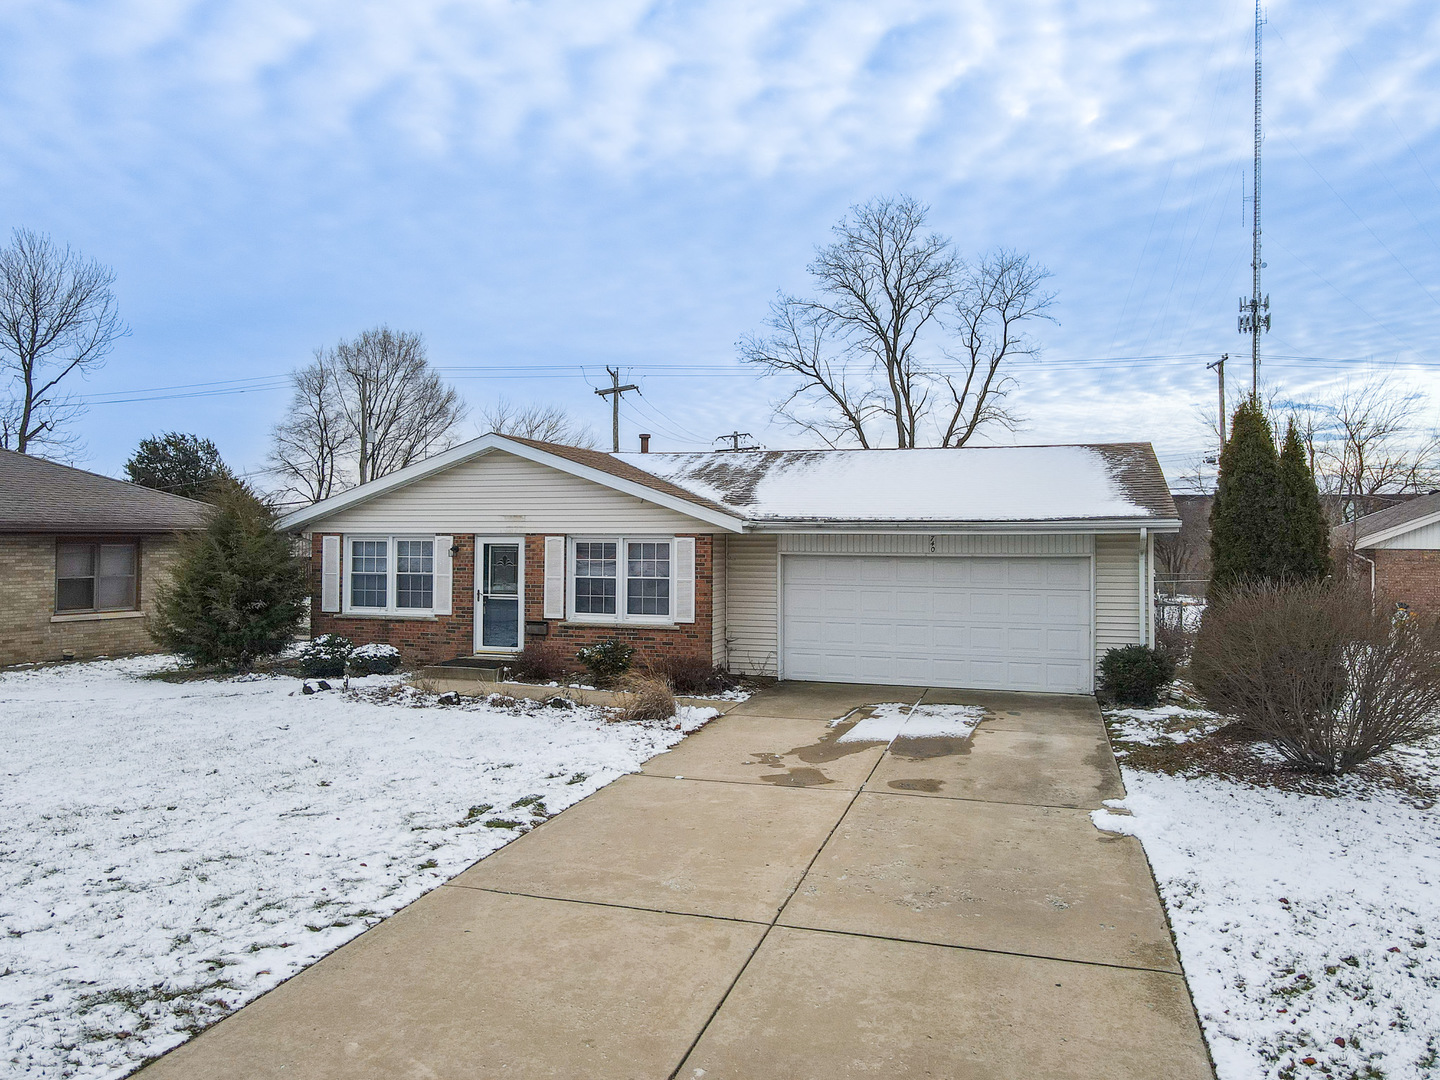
point(486, 444)
point(1380, 537)
point(1078, 525)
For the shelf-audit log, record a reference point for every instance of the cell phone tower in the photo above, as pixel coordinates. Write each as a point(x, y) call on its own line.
point(1255, 310)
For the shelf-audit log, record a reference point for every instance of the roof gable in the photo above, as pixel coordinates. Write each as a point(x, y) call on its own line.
point(599, 468)
point(42, 496)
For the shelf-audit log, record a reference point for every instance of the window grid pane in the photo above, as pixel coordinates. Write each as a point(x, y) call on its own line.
point(647, 589)
point(595, 578)
point(369, 577)
point(415, 573)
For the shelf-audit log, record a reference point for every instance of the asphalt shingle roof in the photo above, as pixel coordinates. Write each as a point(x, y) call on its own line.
point(39, 496)
point(1393, 517)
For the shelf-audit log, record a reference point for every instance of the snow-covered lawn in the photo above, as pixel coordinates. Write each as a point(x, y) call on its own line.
point(169, 851)
point(1307, 912)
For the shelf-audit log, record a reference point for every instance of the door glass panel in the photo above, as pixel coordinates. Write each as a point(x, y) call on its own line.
point(502, 569)
point(501, 626)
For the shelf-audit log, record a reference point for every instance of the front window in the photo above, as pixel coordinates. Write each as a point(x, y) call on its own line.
point(369, 573)
point(95, 577)
point(595, 578)
point(621, 579)
point(392, 573)
point(415, 573)
point(647, 585)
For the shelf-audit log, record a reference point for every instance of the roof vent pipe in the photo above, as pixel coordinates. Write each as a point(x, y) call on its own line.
point(645, 444)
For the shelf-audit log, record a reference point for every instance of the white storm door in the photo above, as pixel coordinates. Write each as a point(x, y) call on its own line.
point(499, 585)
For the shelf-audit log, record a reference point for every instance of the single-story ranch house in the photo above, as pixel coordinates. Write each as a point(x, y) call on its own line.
point(80, 557)
point(1399, 547)
point(1008, 568)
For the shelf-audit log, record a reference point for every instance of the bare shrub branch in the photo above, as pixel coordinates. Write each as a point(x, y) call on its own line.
point(1325, 677)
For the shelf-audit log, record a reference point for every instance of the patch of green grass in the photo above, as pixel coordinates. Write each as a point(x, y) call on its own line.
point(501, 823)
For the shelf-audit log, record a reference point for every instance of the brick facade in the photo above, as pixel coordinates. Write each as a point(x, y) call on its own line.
point(1407, 576)
point(444, 637)
point(29, 633)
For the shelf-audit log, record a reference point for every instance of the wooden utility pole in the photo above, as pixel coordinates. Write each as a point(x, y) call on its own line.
point(616, 390)
point(1219, 368)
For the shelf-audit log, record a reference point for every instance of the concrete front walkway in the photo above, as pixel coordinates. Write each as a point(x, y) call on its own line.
point(765, 902)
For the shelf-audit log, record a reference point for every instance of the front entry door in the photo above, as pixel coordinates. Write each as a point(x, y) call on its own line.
point(497, 600)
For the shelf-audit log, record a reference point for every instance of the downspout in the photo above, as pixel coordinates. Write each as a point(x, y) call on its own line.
point(1144, 568)
point(1372, 577)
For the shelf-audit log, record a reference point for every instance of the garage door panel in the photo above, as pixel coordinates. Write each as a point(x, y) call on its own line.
point(985, 622)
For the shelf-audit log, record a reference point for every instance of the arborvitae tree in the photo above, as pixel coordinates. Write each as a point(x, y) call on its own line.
point(178, 463)
point(1247, 517)
point(1305, 542)
point(239, 591)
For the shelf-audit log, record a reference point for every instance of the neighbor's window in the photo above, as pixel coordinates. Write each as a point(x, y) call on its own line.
point(95, 577)
point(392, 573)
point(595, 577)
point(622, 579)
point(647, 585)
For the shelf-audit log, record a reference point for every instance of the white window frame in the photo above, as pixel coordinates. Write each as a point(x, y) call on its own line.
point(391, 562)
point(622, 581)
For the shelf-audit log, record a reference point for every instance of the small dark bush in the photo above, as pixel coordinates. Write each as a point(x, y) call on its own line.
point(1134, 674)
point(545, 662)
point(374, 660)
point(691, 675)
point(325, 656)
point(606, 660)
point(1326, 676)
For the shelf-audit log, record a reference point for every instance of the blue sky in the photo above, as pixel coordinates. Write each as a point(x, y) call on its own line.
point(543, 189)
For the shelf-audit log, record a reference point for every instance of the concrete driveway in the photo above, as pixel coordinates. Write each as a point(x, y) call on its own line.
point(765, 901)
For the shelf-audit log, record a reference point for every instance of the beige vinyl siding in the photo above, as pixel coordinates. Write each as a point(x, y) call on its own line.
point(1117, 592)
point(936, 544)
point(752, 608)
point(718, 653)
point(1425, 538)
point(498, 494)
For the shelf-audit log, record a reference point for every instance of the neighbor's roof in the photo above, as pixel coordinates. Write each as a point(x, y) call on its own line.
point(965, 485)
point(40, 496)
point(1393, 520)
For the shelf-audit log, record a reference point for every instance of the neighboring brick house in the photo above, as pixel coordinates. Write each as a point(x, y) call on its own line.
point(1398, 548)
point(80, 558)
point(1001, 568)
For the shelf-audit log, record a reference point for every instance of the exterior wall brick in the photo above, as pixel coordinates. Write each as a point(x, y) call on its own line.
point(27, 634)
point(1407, 576)
point(444, 637)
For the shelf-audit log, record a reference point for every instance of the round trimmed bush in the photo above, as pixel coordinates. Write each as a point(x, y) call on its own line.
point(376, 659)
point(606, 660)
point(1134, 674)
point(325, 656)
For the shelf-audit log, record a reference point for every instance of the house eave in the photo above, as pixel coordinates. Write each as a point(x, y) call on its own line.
point(1372, 539)
point(1068, 525)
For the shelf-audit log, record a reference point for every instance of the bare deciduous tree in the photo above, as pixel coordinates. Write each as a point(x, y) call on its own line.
point(362, 410)
point(1367, 441)
point(57, 317)
point(545, 423)
point(903, 335)
point(308, 446)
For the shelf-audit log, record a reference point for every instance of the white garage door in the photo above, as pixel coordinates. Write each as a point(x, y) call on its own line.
point(982, 623)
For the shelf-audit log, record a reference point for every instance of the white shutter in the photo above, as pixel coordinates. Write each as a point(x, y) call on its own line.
point(330, 573)
point(685, 579)
point(554, 577)
point(443, 576)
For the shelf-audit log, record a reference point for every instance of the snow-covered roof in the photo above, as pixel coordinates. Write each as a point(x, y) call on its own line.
point(966, 485)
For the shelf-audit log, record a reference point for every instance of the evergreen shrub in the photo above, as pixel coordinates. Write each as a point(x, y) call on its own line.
point(1135, 674)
